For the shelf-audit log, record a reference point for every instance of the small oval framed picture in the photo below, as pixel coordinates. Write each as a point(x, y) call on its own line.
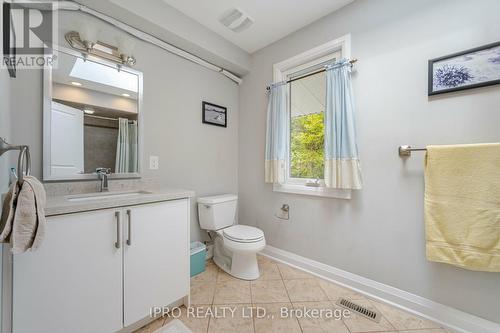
point(477, 67)
point(214, 114)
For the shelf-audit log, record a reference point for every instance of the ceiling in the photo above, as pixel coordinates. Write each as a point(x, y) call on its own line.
point(273, 19)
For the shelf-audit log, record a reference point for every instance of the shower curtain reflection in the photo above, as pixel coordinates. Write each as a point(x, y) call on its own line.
point(126, 148)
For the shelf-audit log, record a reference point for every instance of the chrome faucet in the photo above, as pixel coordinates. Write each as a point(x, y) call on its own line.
point(103, 174)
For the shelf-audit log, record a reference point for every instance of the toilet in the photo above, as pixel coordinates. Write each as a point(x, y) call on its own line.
point(236, 246)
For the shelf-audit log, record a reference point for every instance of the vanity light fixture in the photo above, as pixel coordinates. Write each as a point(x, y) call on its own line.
point(88, 111)
point(78, 84)
point(99, 49)
point(125, 95)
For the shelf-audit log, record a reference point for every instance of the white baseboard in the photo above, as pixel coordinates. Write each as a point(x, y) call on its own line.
point(446, 316)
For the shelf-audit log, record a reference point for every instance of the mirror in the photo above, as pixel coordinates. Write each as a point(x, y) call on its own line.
point(92, 118)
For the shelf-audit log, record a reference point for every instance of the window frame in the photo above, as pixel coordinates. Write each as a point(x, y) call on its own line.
point(283, 71)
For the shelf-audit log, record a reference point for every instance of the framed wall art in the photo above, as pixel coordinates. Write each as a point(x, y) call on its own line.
point(478, 67)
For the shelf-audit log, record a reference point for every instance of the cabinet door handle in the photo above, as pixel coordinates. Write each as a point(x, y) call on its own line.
point(129, 215)
point(118, 236)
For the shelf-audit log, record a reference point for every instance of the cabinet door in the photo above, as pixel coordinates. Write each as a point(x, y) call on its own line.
point(156, 262)
point(73, 282)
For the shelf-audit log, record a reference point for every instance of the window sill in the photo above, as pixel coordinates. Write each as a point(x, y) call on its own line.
point(312, 191)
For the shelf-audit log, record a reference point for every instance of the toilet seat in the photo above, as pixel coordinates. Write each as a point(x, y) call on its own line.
point(243, 234)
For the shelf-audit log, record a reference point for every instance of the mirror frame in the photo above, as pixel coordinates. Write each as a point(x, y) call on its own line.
point(47, 105)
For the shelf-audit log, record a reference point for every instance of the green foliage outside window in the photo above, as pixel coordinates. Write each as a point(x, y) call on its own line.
point(307, 146)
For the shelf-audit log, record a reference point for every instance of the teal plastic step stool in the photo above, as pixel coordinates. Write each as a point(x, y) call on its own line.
point(198, 255)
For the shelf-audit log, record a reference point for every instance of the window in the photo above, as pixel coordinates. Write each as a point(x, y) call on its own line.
point(307, 109)
point(307, 101)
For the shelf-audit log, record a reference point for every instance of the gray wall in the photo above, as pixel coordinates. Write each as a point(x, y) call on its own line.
point(5, 92)
point(379, 234)
point(4, 160)
point(192, 155)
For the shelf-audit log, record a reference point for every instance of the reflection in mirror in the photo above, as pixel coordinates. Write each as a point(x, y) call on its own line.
point(94, 118)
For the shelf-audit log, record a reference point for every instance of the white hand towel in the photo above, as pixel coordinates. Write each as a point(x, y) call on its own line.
point(28, 227)
point(8, 211)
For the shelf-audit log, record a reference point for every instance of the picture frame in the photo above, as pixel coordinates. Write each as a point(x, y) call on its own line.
point(8, 33)
point(214, 114)
point(473, 68)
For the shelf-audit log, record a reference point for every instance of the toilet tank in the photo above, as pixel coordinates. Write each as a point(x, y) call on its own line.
point(217, 212)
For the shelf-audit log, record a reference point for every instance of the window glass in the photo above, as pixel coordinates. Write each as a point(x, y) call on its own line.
point(307, 109)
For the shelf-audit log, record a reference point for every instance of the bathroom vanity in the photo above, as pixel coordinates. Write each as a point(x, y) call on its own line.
point(107, 258)
point(105, 261)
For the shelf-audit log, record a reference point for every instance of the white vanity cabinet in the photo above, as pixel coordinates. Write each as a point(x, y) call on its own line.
point(155, 261)
point(103, 270)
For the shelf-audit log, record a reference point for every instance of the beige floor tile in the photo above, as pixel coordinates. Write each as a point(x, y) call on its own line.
point(334, 291)
point(403, 320)
point(273, 321)
point(289, 273)
point(277, 285)
point(231, 292)
point(210, 273)
point(202, 292)
point(223, 276)
point(268, 291)
point(231, 318)
point(196, 321)
point(269, 271)
point(151, 327)
point(430, 330)
point(327, 319)
point(357, 323)
point(304, 290)
point(265, 260)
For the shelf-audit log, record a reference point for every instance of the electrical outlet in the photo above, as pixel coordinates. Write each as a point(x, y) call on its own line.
point(154, 163)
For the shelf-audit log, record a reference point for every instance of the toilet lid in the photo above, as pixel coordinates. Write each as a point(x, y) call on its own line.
point(243, 233)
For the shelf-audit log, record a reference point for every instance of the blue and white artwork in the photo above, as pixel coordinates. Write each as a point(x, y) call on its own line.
point(474, 68)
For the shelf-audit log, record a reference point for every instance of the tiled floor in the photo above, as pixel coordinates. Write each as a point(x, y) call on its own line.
point(283, 287)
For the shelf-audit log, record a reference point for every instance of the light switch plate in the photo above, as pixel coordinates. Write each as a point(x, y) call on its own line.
point(154, 163)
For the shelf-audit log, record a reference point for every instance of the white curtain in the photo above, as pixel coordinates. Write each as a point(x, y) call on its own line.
point(342, 168)
point(276, 134)
point(126, 147)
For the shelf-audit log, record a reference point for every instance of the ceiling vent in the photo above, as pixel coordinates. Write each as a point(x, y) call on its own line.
point(236, 20)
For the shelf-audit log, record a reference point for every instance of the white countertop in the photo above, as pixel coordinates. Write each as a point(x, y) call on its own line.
point(58, 205)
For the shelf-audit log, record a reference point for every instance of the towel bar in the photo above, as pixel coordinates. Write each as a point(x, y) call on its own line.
point(24, 157)
point(405, 150)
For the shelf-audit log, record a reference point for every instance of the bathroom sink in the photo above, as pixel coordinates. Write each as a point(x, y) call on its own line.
point(106, 195)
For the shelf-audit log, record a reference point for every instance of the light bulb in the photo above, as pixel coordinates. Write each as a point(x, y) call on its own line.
point(88, 33)
point(125, 45)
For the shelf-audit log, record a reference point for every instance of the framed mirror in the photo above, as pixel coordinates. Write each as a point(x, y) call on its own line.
point(92, 118)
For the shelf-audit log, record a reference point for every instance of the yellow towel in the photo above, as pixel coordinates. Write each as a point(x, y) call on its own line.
point(462, 205)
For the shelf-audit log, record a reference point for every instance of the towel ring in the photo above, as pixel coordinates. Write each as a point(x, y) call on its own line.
point(24, 156)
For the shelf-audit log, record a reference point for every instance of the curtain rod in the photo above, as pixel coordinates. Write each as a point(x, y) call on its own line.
point(351, 62)
point(144, 36)
point(105, 118)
